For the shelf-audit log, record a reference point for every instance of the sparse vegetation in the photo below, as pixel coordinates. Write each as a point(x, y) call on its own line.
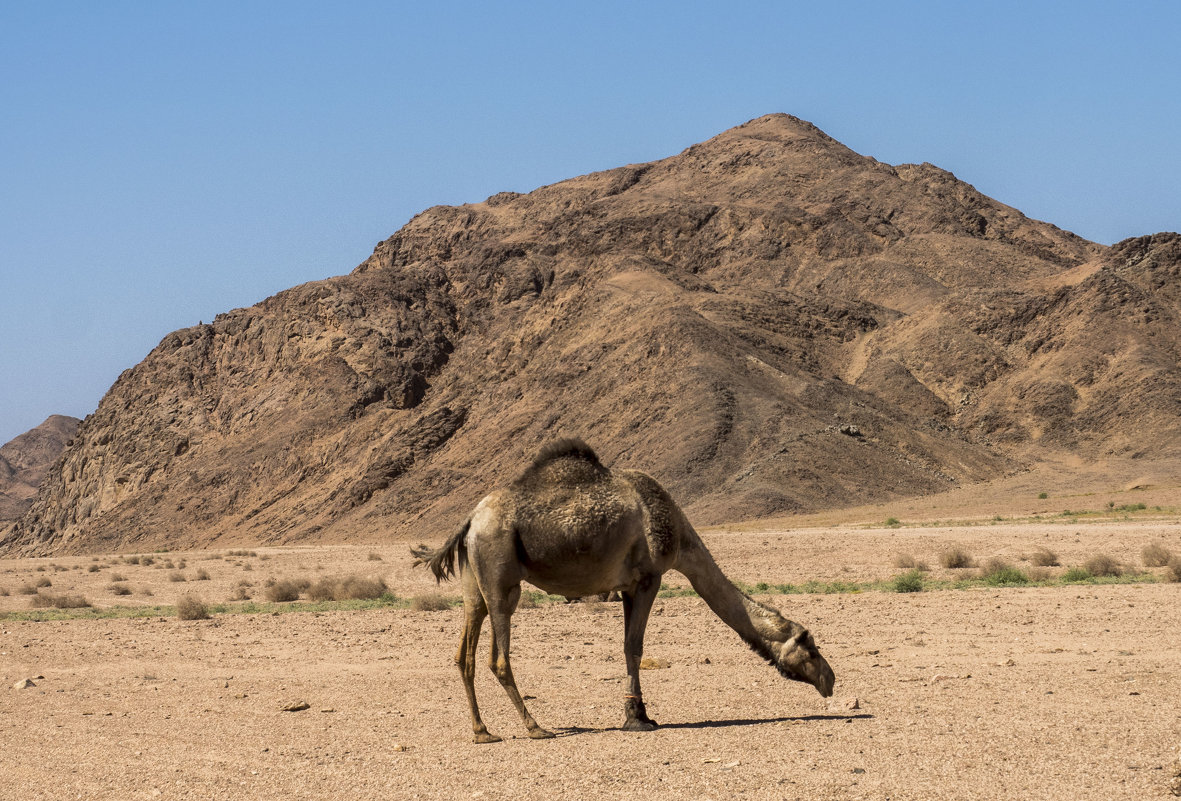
point(1076, 574)
point(43, 582)
point(1044, 557)
point(956, 558)
point(1155, 554)
point(893, 522)
point(201, 575)
point(1103, 565)
point(119, 589)
point(1041, 496)
point(93, 569)
point(118, 577)
point(176, 575)
point(910, 581)
point(190, 607)
point(374, 556)
point(433, 602)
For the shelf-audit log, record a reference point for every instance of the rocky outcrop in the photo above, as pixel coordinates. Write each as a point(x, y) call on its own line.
point(717, 318)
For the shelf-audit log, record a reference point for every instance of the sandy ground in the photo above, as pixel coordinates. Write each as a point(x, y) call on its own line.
point(1059, 692)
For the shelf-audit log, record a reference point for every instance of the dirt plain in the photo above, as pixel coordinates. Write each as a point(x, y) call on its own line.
point(1067, 691)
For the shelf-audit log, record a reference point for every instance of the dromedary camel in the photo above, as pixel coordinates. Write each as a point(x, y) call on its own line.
point(570, 526)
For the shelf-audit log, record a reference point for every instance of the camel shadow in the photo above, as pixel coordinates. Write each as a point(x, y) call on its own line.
point(571, 731)
point(720, 724)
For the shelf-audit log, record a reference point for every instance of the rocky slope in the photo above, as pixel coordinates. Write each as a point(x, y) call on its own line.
point(768, 322)
point(26, 459)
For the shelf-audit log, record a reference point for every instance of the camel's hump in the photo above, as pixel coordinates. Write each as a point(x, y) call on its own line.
point(562, 449)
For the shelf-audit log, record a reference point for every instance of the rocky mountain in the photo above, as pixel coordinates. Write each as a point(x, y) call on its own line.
point(767, 322)
point(26, 459)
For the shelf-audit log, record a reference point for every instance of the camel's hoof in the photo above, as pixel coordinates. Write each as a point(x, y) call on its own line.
point(485, 737)
point(540, 734)
point(635, 724)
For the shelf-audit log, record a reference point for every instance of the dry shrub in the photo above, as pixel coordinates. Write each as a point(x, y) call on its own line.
point(286, 590)
point(49, 600)
point(27, 589)
point(1174, 573)
point(118, 577)
point(202, 575)
point(43, 582)
point(1039, 574)
point(431, 602)
point(241, 593)
point(190, 607)
point(904, 561)
point(1103, 565)
point(176, 576)
point(347, 588)
point(119, 589)
point(374, 556)
point(3, 592)
point(1155, 554)
point(956, 558)
point(93, 569)
point(1044, 557)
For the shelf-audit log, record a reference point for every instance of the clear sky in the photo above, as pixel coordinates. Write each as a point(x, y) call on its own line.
point(163, 162)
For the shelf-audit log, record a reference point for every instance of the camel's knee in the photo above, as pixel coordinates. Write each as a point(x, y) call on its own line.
point(501, 669)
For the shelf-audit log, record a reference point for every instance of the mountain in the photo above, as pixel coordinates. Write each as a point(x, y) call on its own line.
point(26, 459)
point(767, 322)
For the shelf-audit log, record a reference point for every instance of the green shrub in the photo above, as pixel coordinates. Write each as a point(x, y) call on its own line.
point(893, 522)
point(1041, 496)
point(910, 581)
point(998, 573)
point(1077, 574)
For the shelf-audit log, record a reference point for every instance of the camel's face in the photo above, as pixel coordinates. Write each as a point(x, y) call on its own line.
point(800, 659)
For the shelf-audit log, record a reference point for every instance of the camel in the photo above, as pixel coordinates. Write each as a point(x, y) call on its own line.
point(570, 526)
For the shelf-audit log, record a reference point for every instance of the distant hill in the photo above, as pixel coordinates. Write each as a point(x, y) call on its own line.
point(768, 322)
point(25, 460)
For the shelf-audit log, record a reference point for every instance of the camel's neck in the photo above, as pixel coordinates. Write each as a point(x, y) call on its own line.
point(750, 619)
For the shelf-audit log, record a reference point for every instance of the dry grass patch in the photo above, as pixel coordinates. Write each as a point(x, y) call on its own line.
point(956, 559)
point(119, 589)
point(1155, 554)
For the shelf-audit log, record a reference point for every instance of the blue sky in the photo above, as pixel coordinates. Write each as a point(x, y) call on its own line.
point(163, 162)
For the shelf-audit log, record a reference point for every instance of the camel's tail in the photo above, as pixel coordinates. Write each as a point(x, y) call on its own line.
point(442, 562)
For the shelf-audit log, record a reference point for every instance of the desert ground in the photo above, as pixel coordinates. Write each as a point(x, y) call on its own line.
point(1062, 690)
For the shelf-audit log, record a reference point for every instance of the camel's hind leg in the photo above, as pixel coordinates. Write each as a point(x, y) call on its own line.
point(474, 610)
point(501, 611)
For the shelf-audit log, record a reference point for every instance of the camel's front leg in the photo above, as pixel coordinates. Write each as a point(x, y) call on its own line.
point(636, 607)
point(474, 611)
point(501, 611)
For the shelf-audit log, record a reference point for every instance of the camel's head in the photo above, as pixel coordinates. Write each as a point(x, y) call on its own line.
point(798, 658)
